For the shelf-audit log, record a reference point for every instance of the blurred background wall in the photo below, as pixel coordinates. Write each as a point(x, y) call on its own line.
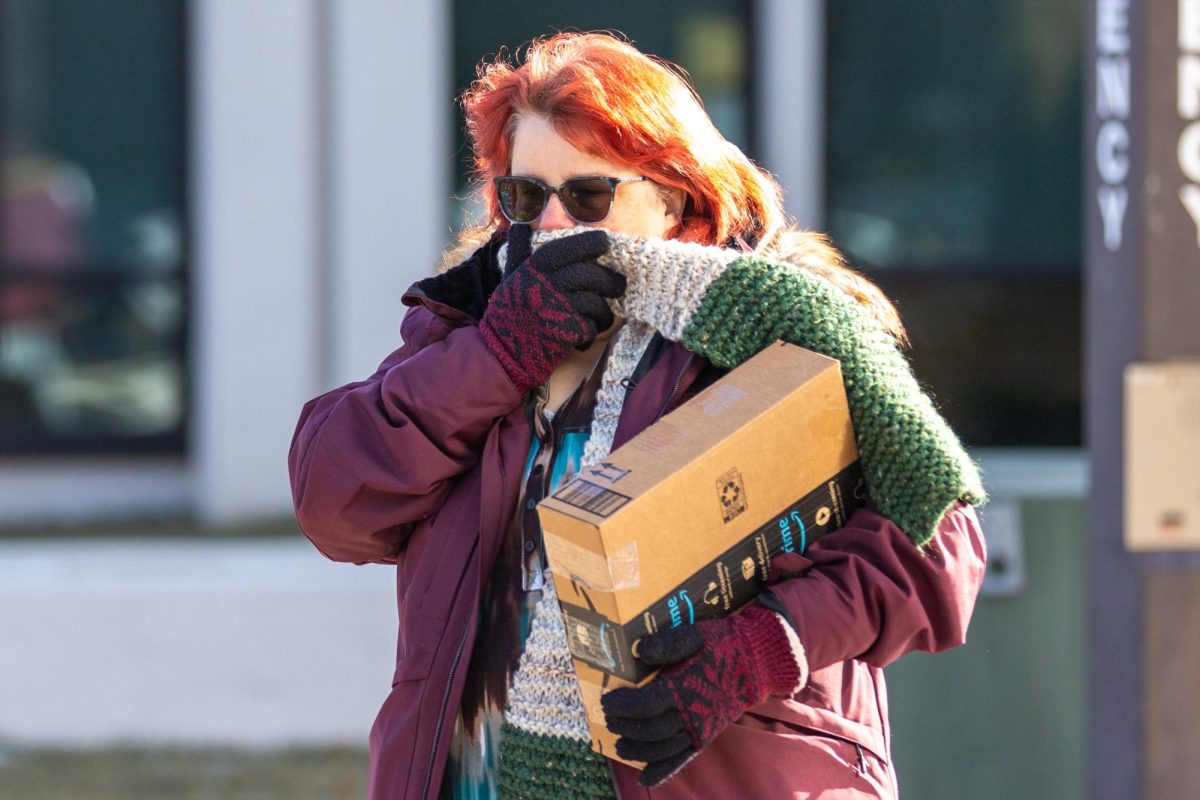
point(209, 212)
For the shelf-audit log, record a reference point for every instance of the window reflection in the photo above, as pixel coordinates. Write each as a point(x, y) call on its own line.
point(98, 357)
point(92, 278)
point(45, 211)
point(954, 133)
point(953, 179)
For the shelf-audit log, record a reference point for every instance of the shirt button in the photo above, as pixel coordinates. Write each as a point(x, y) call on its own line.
point(529, 546)
point(531, 504)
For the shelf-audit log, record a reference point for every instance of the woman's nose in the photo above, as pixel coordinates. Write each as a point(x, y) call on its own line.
point(554, 216)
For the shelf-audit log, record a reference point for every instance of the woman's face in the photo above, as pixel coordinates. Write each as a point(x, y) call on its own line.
point(638, 208)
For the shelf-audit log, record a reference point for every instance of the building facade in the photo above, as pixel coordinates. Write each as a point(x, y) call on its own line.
point(212, 208)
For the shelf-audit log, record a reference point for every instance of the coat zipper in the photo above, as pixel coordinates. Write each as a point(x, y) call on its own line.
point(437, 732)
point(539, 416)
point(454, 323)
point(678, 380)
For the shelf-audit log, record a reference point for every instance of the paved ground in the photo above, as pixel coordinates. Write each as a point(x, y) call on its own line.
point(183, 774)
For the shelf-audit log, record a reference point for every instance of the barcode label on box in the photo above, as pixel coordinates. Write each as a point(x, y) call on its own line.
point(591, 497)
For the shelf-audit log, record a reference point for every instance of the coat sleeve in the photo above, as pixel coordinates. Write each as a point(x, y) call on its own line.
point(370, 459)
point(867, 592)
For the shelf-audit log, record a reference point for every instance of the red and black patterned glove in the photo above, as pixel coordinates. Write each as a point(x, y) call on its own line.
point(548, 302)
point(720, 668)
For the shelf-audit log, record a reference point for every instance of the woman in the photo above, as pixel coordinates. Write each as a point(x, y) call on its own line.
point(607, 187)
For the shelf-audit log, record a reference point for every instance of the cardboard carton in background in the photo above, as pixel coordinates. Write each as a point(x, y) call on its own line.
point(681, 523)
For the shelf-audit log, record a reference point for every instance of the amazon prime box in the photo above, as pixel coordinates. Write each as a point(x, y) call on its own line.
point(681, 523)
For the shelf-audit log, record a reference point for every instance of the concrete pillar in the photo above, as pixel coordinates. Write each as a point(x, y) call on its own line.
point(790, 42)
point(389, 155)
point(256, 230)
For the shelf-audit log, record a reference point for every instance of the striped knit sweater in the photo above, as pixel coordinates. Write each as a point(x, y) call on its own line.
point(727, 306)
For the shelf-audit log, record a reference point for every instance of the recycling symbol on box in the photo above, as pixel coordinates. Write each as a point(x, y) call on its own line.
point(732, 494)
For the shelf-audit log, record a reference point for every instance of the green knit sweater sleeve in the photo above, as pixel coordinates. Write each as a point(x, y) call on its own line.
point(914, 464)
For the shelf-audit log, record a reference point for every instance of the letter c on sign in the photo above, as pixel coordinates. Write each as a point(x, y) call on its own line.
point(1189, 152)
point(1112, 142)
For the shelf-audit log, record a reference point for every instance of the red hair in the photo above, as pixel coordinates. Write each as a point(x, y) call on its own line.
point(610, 100)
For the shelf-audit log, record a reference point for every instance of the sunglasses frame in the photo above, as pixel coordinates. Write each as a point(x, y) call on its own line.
point(548, 190)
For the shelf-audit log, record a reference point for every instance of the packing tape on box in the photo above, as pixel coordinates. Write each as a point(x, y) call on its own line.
point(616, 573)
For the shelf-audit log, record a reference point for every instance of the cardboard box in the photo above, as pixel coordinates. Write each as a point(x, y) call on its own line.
point(1162, 455)
point(681, 523)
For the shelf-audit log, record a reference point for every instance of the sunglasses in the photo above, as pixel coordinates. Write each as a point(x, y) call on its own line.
point(584, 199)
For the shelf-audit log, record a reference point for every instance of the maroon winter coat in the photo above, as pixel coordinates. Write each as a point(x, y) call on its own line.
point(419, 466)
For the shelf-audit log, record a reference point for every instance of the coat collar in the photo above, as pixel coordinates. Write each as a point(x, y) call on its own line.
point(462, 290)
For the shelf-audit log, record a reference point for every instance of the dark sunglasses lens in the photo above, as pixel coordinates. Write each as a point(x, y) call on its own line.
point(521, 200)
point(587, 199)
